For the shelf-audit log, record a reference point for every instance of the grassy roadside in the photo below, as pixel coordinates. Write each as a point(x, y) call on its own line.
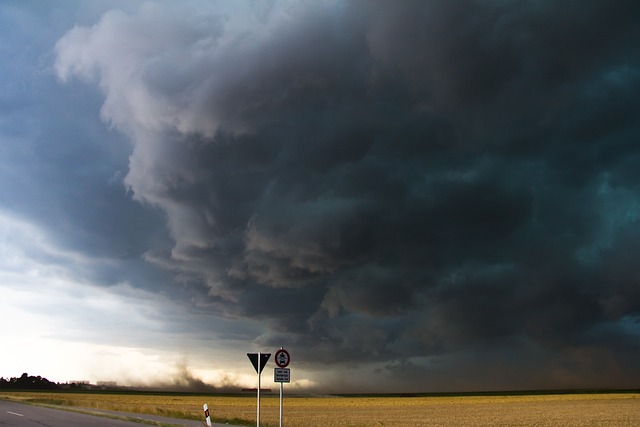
point(182, 406)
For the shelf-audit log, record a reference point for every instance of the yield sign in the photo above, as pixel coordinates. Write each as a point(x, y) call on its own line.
point(263, 360)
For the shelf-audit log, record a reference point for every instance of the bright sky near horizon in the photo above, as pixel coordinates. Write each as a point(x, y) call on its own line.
point(408, 196)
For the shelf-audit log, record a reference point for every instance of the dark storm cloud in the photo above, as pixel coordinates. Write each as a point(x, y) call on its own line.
point(393, 181)
point(51, 141)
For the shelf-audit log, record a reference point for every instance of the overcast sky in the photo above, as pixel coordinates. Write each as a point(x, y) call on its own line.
point(408, 195)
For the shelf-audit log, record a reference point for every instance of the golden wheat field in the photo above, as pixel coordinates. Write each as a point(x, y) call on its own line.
point(614, 409)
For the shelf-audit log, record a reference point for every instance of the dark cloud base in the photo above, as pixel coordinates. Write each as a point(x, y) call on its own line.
point(446, 190)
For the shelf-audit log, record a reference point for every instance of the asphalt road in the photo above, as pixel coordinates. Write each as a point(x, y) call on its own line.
point(19, 414)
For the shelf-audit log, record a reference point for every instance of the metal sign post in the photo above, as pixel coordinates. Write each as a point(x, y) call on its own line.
point(258, 404)
point(281, 403)
point(282, 374)
point(258, 360)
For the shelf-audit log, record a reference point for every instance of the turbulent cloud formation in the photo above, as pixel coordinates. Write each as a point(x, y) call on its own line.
point(447, 191)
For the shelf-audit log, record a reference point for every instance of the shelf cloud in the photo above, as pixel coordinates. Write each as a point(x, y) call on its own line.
point(432, 194)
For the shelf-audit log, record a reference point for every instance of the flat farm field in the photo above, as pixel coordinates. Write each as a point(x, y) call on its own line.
point(589, 409)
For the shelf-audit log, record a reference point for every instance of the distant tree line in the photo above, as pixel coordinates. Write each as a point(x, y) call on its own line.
point(28, 382)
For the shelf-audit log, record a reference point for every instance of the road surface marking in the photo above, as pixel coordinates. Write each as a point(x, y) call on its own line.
point(15, 413)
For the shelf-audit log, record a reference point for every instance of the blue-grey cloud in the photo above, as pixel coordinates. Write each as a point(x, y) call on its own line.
point(390, 181)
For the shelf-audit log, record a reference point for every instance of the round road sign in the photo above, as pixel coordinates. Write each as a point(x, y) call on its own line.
point(282, 358)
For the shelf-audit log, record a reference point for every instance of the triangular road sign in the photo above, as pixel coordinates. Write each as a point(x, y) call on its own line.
point(263, 360)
